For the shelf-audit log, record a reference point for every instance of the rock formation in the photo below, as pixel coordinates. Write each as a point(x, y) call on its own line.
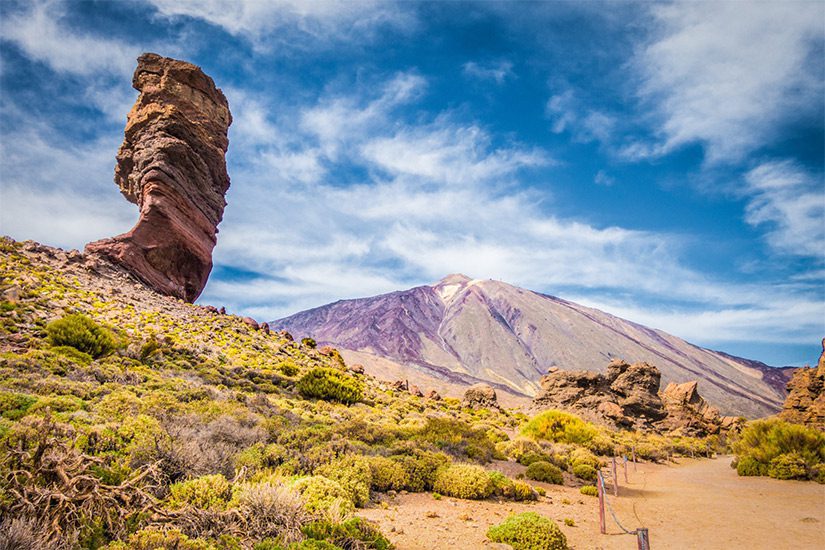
point(805, 403)
point(626, 396)
point(171, 164)
point(479, 396)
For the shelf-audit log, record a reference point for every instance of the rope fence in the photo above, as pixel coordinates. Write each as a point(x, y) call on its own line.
point(642, 537)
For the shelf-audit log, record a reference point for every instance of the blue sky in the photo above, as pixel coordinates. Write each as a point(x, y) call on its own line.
point(660, 161)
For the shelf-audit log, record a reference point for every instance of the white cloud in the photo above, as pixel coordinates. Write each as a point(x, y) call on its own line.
point(724, 74)
point(498, 71)
point(567, 114)
point(320, 21)
point(791, 202)
point(603, 178)
point(42, 36)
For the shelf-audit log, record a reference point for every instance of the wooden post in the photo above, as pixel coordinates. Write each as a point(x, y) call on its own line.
point(600, 489)
point(642, 540)
point(625, 469)
point(634, 458)
point(615, 479)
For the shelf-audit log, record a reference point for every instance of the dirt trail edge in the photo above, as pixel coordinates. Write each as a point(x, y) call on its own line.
point(693, 504)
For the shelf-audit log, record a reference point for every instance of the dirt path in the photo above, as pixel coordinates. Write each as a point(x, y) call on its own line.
point(695, 504)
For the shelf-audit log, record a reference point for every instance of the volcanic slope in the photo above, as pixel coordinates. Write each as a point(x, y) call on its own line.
point(460, 331)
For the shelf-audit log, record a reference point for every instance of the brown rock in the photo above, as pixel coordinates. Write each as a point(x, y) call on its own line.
point(805, 403)
point(249, 321)
point(327, 351)
point(211, 309)
point(171, 164)
point(400, 385)
point(286, 336)
point(222, 310)
point(480, 396)
point(415, 391)
point(357, 368)
point(265, 327)
point(434, 395)
point(688, 413)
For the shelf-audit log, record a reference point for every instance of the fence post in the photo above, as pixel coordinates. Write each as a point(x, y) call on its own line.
point(625, 469)
point(615, 479)
point(600, 489)
point(642, 540)
point(634, 458)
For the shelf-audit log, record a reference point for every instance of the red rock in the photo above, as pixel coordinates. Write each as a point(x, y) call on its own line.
point(265, 328)
point(357, 368)
point(434, 395)
point(171, 164)
point(415, 391)
point(251, 322)
point(805, 403)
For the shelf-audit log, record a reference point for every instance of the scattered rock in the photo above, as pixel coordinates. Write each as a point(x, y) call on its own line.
point(211, 309)
point(357, 368)
point(222, 310)
point(327, 351)
point(434, 395)
point(12, 294)
point(431, 514)
point(286, 336)
point(480, 396)
point(805, 403)
point(171, 164)
point(265, 327)
point(249, 321)
point(415, 391)
point(400, 385)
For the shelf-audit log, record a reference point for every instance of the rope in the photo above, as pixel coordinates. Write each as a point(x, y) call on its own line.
point(610, 508)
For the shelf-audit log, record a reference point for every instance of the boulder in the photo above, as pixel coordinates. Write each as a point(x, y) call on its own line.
point(357, 368)
point(434, 395)
point(414, 390)
point(171, 164)
point(480, 396)
point(688, 413)
point(805, 403)
point(250, 322)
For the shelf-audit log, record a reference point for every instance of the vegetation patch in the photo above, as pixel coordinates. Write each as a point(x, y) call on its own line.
point(464, 481)
point(528, 531)
point(83, 334)
point(544, 471)
point(330, 385)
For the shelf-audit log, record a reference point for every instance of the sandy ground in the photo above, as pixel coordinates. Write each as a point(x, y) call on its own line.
point(693, 504)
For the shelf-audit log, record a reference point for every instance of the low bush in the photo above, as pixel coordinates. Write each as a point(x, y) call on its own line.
point(152, 538)
point(322, 494)
point(330, 385)
point(585, 472)
point(353, 473)
point(388, 474)
point(83, 334)
point(580, 456)
point(458, 438)
point(463, 481)
point(352, 533)
point(779, 449)
point(271, 510)
point(210, 492)
point(15, 406)
point(421, 469)
point(528, 531)
point(544, 471)
point(589, 490)
point(560, 427)
point(788, 466)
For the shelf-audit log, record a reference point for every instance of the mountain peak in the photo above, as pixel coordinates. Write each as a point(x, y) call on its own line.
point(454, 279)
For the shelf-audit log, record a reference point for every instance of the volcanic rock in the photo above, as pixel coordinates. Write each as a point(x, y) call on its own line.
point(480, 396)
point(414, 390)
point(171, 164)
point(250, 322)
point(357, 368)
point(434, 395)
point(805, 403)
point(688, 413)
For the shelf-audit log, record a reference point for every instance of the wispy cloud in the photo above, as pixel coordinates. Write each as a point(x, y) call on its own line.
point(496, 71)
point(725, 74)
point(568, 113)
point(791, 202)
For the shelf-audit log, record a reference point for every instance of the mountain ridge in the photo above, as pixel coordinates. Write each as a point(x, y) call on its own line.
point(462, 330)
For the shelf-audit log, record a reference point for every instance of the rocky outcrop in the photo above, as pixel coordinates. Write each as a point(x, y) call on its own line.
point(171, 164)
point(805, 403)
point(626, 396)
point(688, 413)
point(480, 396)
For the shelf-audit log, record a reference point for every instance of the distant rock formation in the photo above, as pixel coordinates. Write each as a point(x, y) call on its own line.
point(627, 396)
point(806, 398)
point(171, 164)
point(480, 396)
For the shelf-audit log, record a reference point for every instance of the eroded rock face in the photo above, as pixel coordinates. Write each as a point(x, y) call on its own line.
point(805, 403)
point(479, 396)
point(688, 413)
point(171, 164)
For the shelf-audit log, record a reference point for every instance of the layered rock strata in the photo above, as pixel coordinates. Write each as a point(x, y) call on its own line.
point(805, 403)
point(172, 165)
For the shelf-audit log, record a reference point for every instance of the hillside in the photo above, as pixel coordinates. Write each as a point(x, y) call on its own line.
point(461, 331)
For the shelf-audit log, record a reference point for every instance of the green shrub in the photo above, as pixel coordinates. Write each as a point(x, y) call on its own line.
point(458, 439)
point(580, 456)
point(521, 490)
point(81, 333)
point(330, 385)
point(15, 406)
point(463, 481)
point(528, 531)
point(309, 342)
point(288, 368)
point(585, 472)
point(517, 448)
point(749, 466)
point(352, 533)
point(589, 490)
point(388, 474)
point(560, 427)
point(788, 466)
point(152, 538)
point(764, 441)
point(544, 471)
point(528, 458)
point(322, 494)
point(353, 473)
point(421, 469)
point(72, 353)
point(210, 492)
